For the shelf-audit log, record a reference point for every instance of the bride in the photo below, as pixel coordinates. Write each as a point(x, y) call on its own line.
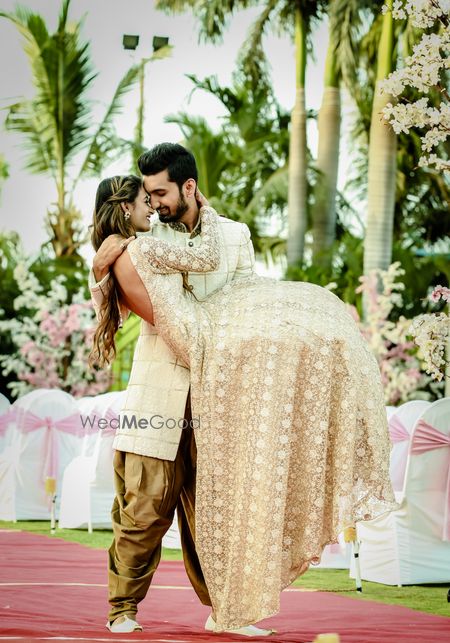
point(292, 443)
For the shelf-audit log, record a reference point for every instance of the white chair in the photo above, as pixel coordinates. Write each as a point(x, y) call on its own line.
point(336, 556)
point(390, 410)
point(401, 423)
point(47, 437)
point(6, 421)
point(88, 484)
point(412, 544)
point(172, 539)
point(89, 421)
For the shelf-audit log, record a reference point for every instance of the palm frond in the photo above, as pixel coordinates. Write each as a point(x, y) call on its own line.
point(103, 141)
point(23, 118)
point(252, 57)
point(274, 189)
point(213, 16)
point(61, 74)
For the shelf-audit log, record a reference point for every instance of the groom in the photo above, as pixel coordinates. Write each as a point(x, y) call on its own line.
point(155, 467)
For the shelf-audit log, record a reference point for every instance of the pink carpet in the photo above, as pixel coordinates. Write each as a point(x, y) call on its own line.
point(54, 590)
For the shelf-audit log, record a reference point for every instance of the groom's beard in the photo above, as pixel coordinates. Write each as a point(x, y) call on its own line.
point(166, 216)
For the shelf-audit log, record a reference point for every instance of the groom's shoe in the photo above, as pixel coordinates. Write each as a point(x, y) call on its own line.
point(124, 625)
point(247, 630)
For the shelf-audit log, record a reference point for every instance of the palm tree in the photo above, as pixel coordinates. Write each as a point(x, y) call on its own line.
point(346, 20)
point(56, 123)
point(382, 161)
point(329, 126)
point(243, 166)
point(294, 17)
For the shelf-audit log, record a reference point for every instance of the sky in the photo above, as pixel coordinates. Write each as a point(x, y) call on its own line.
point(25, 198)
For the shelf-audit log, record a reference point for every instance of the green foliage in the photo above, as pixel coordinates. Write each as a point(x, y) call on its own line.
point(57, 119)
point(57, 123)
point(45, 266)
point(243, 167)
point(424, 598)
point(343, 273)
point(422, 272)
point(4, 171)
point(9, 290)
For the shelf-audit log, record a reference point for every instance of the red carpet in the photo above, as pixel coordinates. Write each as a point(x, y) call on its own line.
point(54, 590)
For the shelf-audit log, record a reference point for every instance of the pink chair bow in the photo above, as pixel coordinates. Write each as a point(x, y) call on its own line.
point(89, 422)
point(397, 430)
point(6, 418)
point(334, 548)
point(426, 438)
point(70, 424)
point(113, 422)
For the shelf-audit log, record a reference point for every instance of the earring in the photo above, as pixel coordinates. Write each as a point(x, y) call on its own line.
point(127, 214)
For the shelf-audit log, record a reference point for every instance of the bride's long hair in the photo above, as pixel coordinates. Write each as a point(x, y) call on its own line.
point(109, 218)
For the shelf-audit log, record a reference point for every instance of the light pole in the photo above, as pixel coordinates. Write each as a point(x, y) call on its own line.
point(161, 49)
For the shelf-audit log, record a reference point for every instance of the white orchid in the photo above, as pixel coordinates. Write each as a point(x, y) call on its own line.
point(426, 68)
point(431, 333)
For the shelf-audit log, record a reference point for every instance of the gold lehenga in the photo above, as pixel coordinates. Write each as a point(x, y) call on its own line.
point(292, 444)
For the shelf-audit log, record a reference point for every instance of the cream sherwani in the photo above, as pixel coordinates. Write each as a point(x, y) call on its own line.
point(159, 382)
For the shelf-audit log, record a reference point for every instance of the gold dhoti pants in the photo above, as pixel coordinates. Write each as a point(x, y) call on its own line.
point(147, 492)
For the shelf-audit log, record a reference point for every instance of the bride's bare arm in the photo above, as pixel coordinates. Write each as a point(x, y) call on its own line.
point(133, 293)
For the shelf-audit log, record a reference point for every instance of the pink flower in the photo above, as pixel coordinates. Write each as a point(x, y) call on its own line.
point(414, 374)
point(75, 310)
point(27, 347)
point(440, 292)
point(71, 326)
point(48, 326)
point(354, 313)
point(35, 358)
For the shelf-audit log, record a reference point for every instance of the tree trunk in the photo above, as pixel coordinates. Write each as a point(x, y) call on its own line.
point(381, 190)
point(382, 163)
point(324, 213)
point(297, 194)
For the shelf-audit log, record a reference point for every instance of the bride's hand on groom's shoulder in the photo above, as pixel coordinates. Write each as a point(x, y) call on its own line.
point(110, 249)
point(201, 199)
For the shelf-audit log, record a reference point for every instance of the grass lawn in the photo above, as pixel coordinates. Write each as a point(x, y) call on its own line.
point(425, 598)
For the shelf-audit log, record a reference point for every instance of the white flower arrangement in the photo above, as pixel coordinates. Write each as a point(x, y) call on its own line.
point(390, 341)
point(427, 67)
point(431, 333)
point(52, 338)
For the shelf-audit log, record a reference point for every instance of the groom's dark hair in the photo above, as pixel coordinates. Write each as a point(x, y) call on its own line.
point(176, 159)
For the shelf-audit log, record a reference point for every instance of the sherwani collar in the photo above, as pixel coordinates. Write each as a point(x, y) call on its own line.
point(179, 226)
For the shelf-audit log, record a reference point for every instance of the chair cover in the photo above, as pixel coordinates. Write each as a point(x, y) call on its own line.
point(401, 423)
point(412, 544)
point(88, 484)
point(47, 436)
point(6, 421)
